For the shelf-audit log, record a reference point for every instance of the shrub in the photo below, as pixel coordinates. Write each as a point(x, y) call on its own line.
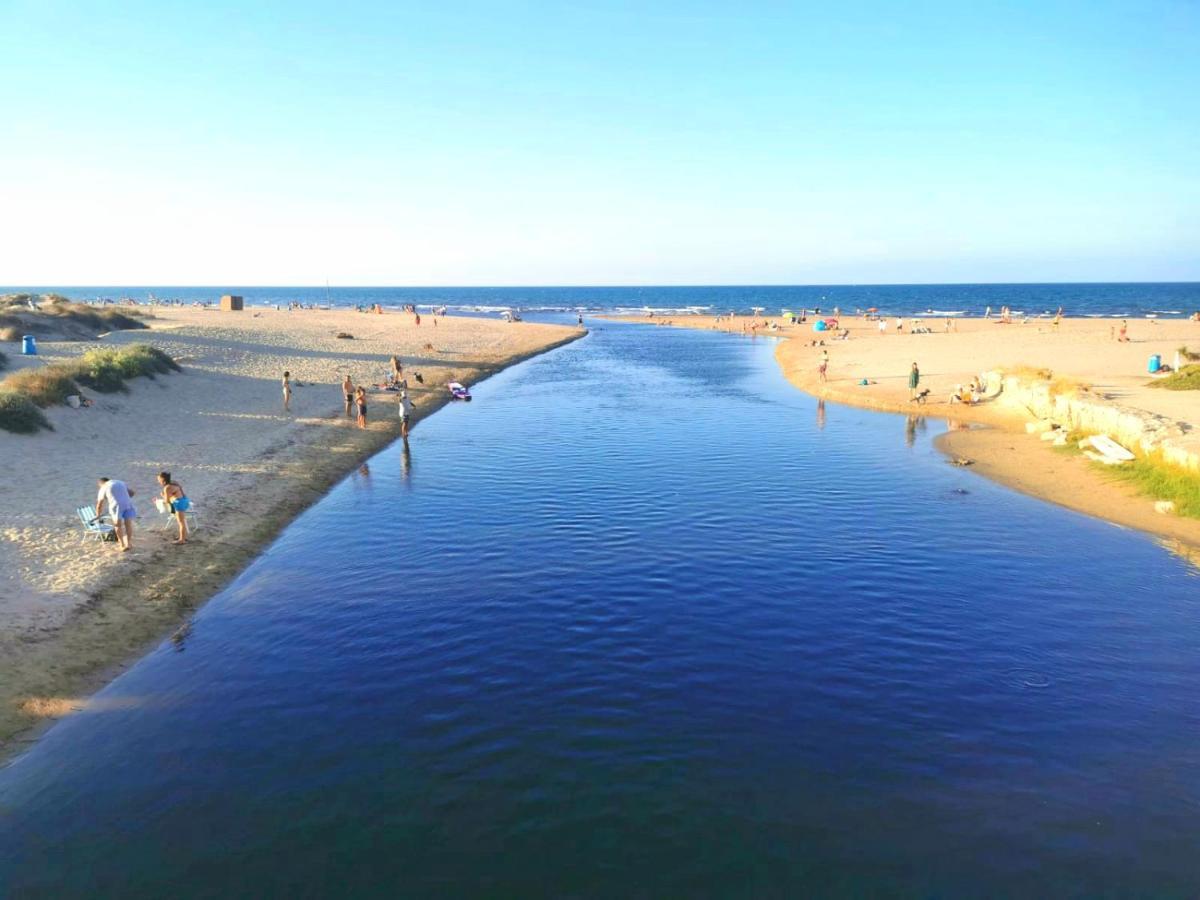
point(106, 369)
point(47, 386)
point(10, 333)
point(1186, 379)
point(19, 414)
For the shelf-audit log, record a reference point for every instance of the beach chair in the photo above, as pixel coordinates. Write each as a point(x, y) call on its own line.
point(167, 518)
point(100, 528)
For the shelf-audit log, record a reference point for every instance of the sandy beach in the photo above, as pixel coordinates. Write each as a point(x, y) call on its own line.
point(1082, 350)
point(71, 610)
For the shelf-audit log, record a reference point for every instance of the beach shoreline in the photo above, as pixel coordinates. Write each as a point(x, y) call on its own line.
point(993, 436)
point(75, 614)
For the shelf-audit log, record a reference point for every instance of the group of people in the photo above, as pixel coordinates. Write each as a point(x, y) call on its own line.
point(356, 397)
point(114, 501)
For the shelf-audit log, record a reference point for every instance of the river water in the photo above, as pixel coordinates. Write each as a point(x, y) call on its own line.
point(644, 620)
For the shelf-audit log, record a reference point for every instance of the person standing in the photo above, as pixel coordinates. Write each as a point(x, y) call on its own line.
point(360, 397)
point(824, 367)
point(176, 501)
point(405, 414)
point(914, 380)
point(287, 391)
point(348, 392)
point(117, 498)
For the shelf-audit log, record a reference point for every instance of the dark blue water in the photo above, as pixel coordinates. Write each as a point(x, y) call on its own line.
point(642, 620)
point(1167, 300)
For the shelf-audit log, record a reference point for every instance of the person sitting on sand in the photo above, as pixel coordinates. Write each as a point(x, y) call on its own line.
point(360, 398)
point(287, 391)
point(177, 502)
point(117, 497)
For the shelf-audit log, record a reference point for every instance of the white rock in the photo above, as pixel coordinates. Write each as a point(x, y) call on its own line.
point(1166, 507)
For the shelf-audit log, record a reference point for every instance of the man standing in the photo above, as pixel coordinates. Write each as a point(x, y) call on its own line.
point(117, 498)
point(405, 414)
point(914, 379)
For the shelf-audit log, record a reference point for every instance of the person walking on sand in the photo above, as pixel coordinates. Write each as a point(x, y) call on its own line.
point(823, 368)
point(360, 397)
point(348, 392)
point(177, 502)
point(397, 369)
point(405, 414)
point(1123, 334)
point(1057, 319)
point(914, 381)
point(117, 498)
point(287, 391)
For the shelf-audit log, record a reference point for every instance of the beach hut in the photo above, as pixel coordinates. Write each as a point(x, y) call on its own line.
point(232, 303)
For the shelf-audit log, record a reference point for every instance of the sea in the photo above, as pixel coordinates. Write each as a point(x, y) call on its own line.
point(1165, 300)
point(643, 620)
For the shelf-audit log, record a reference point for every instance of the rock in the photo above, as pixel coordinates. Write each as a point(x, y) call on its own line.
point(1166, 507)
point(962, 461)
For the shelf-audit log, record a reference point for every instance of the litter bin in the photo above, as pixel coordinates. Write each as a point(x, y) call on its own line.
point(1155, 363)
point(28, 345)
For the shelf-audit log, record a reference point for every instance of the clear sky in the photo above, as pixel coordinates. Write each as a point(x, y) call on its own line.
point(598, 142)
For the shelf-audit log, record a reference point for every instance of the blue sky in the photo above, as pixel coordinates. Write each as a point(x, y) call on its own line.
point(598, 143)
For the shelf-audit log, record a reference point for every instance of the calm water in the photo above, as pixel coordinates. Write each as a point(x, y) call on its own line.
point(642, 620)
point(1170, 300)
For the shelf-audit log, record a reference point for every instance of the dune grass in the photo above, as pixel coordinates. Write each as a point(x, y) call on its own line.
point(1161, 481)
point(18, 318)
point(104, 369)
point(20, 415)
point(1186, 379)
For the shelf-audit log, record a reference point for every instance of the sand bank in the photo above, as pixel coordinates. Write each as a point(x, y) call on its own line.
point(69, 610)
point(1083, 351)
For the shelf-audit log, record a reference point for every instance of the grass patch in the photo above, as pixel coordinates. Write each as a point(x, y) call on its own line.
point(47, 386)
point(1161, 481)
point(1186, 379)
point(105, 369)
point(57, 318)
point(20, 415)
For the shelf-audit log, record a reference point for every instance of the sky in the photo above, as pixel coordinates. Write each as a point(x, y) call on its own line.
point(588, 142)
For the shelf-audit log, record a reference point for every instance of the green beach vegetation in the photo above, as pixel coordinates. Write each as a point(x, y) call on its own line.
point(54, 317)
point(1186, 379)
point(105, 369)
point(1155, 478)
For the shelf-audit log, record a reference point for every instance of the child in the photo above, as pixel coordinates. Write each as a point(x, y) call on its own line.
point(360, 396)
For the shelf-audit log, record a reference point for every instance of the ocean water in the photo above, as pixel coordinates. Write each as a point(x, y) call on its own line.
point(1169, 300)
point(642, 620)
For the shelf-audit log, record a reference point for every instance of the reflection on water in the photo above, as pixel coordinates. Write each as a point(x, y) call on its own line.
point(640, 626)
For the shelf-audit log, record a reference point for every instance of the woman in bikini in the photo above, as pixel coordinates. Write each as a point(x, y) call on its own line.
point(287, 391)
point(176, 501)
